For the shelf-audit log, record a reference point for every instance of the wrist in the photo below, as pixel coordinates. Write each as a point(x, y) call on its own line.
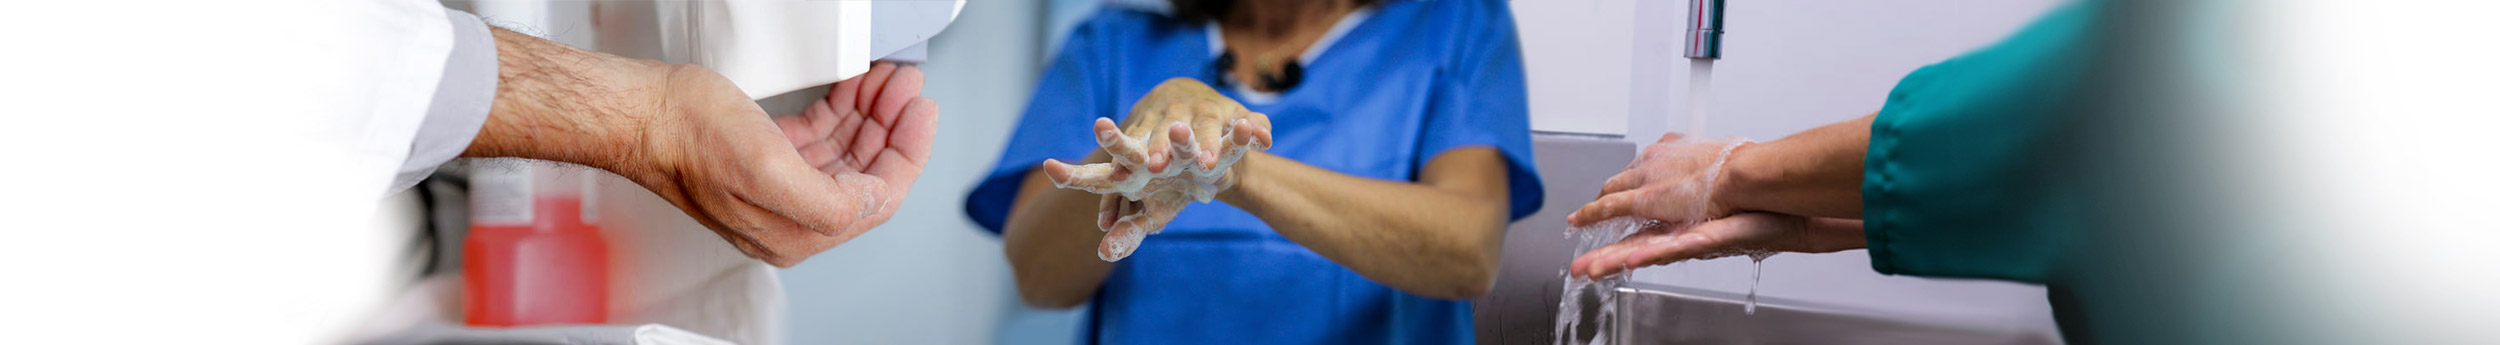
point(1832, 235)
point(1739, 175)
point(1239, 192)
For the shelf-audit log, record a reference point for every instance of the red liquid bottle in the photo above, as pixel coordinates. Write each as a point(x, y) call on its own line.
point(532, 256)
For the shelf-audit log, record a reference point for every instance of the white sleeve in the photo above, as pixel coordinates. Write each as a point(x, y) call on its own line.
point(461, 101)
point(236, 148)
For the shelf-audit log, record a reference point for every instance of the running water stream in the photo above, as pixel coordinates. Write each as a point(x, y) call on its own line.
point(1570, 320)
point(1574, 326)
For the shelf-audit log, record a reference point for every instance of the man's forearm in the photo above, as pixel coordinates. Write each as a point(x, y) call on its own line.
point(1812, 173)
point(1428, 240)
point(559, 103)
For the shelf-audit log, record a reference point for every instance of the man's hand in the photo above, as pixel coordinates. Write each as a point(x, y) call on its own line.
point(1181, 121)
point(695, 139)
point(1665, 243)
point(875, 124)
point(783, 192)
point(1673, 181)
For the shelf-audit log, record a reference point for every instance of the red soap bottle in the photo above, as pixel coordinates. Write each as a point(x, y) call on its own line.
point(532, 256)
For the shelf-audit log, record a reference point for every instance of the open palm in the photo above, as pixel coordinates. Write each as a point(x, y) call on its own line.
point(1665, 243)
point(1740, 234)
point(875, 124)
point(844, 168)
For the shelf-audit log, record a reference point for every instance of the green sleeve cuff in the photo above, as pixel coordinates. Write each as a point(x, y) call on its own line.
point(1970, 168)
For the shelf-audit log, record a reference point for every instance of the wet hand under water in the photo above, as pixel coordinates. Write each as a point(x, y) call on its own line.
point(1675, 180)
point(1756, 233)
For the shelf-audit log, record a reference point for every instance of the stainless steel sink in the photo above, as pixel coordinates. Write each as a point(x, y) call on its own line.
point(1524, 300)
point(1652, 314)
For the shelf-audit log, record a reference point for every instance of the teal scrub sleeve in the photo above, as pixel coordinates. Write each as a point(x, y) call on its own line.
point(1971, 168)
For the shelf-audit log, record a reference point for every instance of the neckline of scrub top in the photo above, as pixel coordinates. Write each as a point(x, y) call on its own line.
point(1215, 47)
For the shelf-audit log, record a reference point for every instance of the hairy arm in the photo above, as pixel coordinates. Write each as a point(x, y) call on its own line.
point(559, 103)
point(692, 137)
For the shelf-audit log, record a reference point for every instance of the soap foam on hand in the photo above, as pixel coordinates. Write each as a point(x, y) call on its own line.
point(1156, 195)
point(1127, 174)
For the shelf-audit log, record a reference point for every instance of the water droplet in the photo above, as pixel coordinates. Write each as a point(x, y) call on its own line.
point(1752, 291)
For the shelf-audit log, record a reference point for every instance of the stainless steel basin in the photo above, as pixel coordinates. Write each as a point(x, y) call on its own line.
point(1652, 314)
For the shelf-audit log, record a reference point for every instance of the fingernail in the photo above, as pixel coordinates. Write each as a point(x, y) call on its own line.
point(871, 201)
point(1058, 171)
point(1184, 139)
point(870, 190)
point(1115, 249)
point(1119, 244)
point(1105, 132)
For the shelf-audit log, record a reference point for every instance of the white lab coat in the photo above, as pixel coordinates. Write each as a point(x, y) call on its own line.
point(189, 172)
point(204, 172)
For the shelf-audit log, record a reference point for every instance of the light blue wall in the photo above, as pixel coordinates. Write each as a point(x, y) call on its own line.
point(1022, 325)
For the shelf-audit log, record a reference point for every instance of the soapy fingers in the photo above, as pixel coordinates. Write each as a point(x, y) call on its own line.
point(1177, 145)
point(1135, 152)
point(1131, 230)
point(1097, 178)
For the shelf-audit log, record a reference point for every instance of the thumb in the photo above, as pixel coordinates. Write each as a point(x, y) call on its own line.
point(831, 205)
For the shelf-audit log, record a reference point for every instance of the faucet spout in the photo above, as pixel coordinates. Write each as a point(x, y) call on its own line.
point(1702, 29)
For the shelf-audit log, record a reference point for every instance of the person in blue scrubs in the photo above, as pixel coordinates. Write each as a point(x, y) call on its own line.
point(1399, 154)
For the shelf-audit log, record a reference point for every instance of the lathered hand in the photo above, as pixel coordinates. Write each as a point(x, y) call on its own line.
point(1181, 121)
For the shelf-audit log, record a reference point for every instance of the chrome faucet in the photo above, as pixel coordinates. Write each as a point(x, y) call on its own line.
point(1702, 29)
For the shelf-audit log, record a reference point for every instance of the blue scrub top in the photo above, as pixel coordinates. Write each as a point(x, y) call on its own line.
point(1413, 80)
